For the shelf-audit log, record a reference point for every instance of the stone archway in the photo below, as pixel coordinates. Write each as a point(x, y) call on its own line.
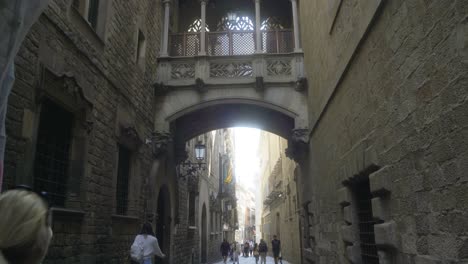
point(163, 223)
point(204, 236)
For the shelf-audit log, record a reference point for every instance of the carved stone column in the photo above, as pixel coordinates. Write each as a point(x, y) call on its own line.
point(258, 25)
point(297, 46)
point(203, 28)
point(165, 39)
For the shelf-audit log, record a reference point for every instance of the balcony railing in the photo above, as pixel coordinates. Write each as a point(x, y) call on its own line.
point(232, 43)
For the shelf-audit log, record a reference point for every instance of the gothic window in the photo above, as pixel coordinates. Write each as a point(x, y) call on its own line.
point(241, 23)
point(54, 139)
point(271, 23)
point(196, 26)
point(123, 175)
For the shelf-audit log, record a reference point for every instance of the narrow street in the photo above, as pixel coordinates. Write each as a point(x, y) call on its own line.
point(251, 260)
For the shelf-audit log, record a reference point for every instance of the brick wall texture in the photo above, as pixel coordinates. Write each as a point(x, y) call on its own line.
point(402, 105)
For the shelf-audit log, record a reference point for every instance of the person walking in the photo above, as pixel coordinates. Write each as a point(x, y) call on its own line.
point(276, 248)
point(262, 250)
point(255, 253)
point(246, 249)
point(237, 251)
point(25, 226)
point(145, 246)
point(225, 249)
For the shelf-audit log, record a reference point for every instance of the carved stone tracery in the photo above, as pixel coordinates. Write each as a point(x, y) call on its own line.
point(182, 71)
point(231, 69)
point(279, 68)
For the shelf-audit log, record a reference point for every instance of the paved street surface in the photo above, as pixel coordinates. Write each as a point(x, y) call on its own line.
point(251, 260)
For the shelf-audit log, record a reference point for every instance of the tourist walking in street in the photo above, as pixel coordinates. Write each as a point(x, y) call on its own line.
point(145, 246)
point(236, 252)
point(262, 249)
point(276, 248)
point(225, 249)
point(25, 227)
point(246, 249)
point(255, 253)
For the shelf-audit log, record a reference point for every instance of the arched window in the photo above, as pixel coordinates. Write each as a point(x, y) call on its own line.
point(272, 23)
point(240, 23)
point(196, 26)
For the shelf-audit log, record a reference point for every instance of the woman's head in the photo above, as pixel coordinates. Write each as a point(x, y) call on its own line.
point(146, 229)
point(25, 231)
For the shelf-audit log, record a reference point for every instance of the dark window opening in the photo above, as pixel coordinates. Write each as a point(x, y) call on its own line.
point(52, 158)
point(93, 12)
point(122, 180)
point(191, 209)
point(141, 50)
point(366, 222)
point(76, 4)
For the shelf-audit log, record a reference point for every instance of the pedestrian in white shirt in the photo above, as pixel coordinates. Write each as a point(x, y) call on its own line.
point(145, 246)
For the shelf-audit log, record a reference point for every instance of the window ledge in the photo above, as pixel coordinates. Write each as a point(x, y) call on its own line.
point(126, 217)
point(57, 211)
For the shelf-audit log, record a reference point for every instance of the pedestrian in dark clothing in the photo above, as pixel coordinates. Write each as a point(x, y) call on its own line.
point(225, 249)
point(256, 254)
point(246, 249)
point(276, 248)
point(262, 250)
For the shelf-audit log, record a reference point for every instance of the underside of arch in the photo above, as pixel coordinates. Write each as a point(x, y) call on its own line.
point(213, 117)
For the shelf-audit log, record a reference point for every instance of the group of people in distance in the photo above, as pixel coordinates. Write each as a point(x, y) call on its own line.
point(257, 250)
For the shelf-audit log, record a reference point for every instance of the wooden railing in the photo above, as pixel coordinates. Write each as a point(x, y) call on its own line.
point(232, 43)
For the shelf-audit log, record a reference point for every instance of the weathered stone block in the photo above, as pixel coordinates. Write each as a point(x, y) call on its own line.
point(386, 235)
point(378, 209)
point(344, 196)
point(381, 182)
point(348, 234)
point(348, 214)
point(353, 254)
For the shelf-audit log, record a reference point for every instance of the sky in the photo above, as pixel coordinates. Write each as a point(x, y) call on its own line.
point(246, 142)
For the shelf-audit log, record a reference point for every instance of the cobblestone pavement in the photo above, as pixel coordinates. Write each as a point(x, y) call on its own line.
point(251, 260)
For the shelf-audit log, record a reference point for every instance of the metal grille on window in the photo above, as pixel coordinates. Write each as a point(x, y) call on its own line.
point(52, 160)
point(366, 223)
point(122, 180)
point(93, 13)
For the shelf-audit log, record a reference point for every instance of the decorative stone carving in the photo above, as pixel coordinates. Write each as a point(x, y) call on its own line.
point(279, 68)
point(200, 85)
point(129, 134)
point(182, 71)
point(298, 145)
point(159, 141)
point(301, 84)
point(231, 69)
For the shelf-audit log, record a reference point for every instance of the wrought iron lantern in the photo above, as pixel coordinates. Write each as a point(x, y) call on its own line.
point(200, 151)
point(190, 168)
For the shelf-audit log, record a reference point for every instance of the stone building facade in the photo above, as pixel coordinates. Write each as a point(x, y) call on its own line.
point(78, 116)
point(279, 215)
point(388, 117)
point(204, 196)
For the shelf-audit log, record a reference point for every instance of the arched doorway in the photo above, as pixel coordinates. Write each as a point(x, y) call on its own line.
point(204, 235)
point(163, 224)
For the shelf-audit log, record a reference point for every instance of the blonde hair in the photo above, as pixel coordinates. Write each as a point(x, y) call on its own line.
point(23, 216)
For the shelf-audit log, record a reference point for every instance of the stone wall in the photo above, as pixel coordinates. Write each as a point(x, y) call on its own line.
point(388, 100)
point(65, 60)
